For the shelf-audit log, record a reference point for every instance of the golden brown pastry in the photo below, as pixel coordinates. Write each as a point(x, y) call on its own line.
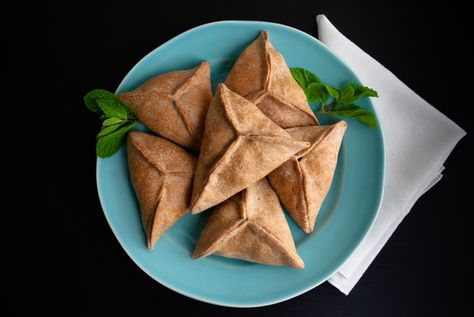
point(304, 180)
point(251, 226)
point(162, 175)
point(240, 146)
point(261, 75)
point(174, 104)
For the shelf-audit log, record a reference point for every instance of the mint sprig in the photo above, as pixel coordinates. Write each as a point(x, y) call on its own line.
point(343, 101)
point(117, 118)
point(352, 111)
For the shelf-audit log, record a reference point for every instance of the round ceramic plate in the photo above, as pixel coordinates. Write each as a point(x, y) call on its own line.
point(345, 217)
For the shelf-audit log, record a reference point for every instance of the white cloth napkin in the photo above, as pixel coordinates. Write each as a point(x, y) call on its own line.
point(418, 139)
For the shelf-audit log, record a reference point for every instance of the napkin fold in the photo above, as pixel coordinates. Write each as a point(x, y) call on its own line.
point(418, 140)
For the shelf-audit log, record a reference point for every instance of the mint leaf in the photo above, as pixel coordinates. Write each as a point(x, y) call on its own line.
point(90, 99)
point(343, 104)
point(304, 77)
point(347, 93)
point(317, 92)
point(340, 106)
point(117, 118)
point(111, 121)
point(362, 91)
point(354, 112)
point(112, 108)
point(110, 143)
point(356, 92)
point(333, 92)
point(107, 130)
point(95, 98)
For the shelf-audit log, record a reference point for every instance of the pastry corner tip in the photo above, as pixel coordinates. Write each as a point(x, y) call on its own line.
point(194, 209)
point(309, 228)
point(222, 87)
point(150, 245)
point(205, 64)
point(196, 255)
point(264, 34)
point(299, 264)
point(342, 123)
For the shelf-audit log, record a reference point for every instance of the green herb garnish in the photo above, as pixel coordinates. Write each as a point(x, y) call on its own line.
point(343, 100)
point(117, 118)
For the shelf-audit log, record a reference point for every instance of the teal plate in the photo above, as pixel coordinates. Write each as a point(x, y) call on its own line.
point(345, 217)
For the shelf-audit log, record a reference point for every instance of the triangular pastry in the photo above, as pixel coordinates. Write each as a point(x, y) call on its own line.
point(162, 175)
point(261, 75)
point(174, 104)
point(240, 146)
point(250, 226)
point(303, 181)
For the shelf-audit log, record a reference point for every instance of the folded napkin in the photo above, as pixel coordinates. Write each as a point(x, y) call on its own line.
point(418, 139)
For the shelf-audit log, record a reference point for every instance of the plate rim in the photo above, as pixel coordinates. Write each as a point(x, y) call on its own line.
point(293, 294)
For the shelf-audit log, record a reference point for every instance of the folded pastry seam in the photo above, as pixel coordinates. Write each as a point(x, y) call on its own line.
point(174, 104)
point(240, 146)
point(161, 173)
point(261, 75)
point(303, 182)
point(251, 226)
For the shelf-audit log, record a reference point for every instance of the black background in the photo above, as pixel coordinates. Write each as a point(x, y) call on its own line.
point(73, 263)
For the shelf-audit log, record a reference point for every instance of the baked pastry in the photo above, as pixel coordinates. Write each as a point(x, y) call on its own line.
point(303, 181)
point(261, 75)
point(240, 146)
point(162, 175)
point(174, 104)
point(251, 226)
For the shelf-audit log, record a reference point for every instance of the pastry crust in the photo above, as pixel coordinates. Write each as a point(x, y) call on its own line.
point(303, 181)
point(240, 146)
point(174, 104)
point(161, 174)
point(261, 75)
point(251, 226)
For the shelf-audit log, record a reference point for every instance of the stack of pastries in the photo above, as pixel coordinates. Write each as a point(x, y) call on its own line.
point(256, 142)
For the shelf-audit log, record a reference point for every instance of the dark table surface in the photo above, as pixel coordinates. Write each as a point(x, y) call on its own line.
point(76, 265)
